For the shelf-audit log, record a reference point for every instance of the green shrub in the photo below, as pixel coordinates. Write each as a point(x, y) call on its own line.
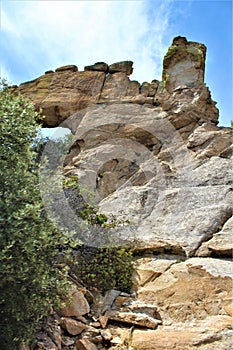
point(105, 268)
point(30, 281)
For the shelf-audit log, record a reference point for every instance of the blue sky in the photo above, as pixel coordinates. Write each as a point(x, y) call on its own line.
point(40, 35)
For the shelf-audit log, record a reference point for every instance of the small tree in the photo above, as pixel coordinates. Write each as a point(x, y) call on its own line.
point(30, 281)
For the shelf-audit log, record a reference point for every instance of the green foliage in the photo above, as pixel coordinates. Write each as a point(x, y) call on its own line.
point(171, 51)
point(165, 78)
point(106, 268)
point(30, 281)
point(90, 215)
point(71, 182)
point(100, 219)
point(231, 123)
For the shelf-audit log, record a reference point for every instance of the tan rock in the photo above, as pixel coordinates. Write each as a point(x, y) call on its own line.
point(115, 87)
point(77, 306)
point(122, 300)
point(133, 89)
point(140, 307)
point(147, 269)
point(184, 64)
point(163, 339)
point(145, 87)
point(186, 336)
point(106, 334)
point(85, 344)
point(221, 244)
point(95, 324)
point(207, 140)
point(191, 290)
point(72, 326)
point(153, 88)
point(71, 67)
point(103, 321)
point(116, 341)
point(139, 319)
point(63, 93)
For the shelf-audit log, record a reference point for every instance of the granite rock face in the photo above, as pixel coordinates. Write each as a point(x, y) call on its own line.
point(184, 64)
point(161, 170)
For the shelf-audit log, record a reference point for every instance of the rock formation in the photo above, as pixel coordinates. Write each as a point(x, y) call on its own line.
point(157, 161)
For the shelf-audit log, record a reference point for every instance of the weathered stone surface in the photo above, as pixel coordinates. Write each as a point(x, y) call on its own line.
point(153, 88)
point(161, 170)
point(207, 140)
point(145, 87)
point(63, 93)
point(124, 67)
point(183, 338)
point(194, 299)
point(55, 335)
point(73, 327)
point(147, 269)
point(221, 244)
point(67, 91)
point(103, 321)
point(191, 215)
point(184, 64)
point(187, 107)
point(106, 334)
point(115, 87)
point(77, 306)
point(136, 318)
point(70, 67)
point(108, 300)
point(85, 344)
point(99, 66)
point(192, 290)
point(163, 340)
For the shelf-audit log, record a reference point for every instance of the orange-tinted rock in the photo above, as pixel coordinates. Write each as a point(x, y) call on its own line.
point(77, 306)
point(85, 344)
point(70, 67)
point(73, 327)
point(63, 93)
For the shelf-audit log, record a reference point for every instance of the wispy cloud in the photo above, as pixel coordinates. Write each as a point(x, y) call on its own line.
point(45, 34)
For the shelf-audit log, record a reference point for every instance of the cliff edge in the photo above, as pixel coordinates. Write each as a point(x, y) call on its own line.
point(157, 161)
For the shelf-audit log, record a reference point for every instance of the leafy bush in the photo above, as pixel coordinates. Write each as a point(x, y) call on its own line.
point(30, 281)
point(105, 268)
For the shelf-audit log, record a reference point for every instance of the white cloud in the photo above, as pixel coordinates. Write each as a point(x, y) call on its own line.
point(53, 33)
point(5, 73)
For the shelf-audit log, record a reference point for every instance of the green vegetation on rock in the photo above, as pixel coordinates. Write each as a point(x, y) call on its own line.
point(105, 268)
